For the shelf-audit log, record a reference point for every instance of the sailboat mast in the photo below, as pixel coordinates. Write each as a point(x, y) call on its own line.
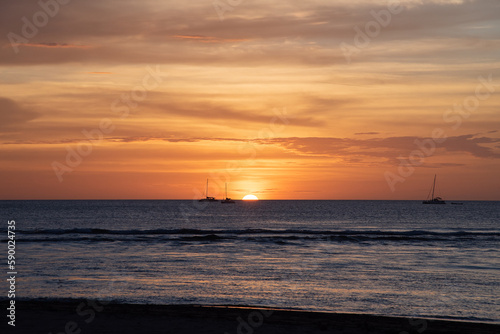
point(433, 186)
point(206, 190)
point(226, 190)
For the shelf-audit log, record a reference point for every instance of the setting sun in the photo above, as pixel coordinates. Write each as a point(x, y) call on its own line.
point(250, 198)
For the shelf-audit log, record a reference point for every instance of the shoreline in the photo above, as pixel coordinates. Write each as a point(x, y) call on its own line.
point(94, 316)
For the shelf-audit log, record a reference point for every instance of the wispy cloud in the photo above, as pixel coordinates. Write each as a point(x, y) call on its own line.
point(296, 33)
point(207, 39)
point(53, 45)
point(389, 148)
point(13, 115)
point(366, 133)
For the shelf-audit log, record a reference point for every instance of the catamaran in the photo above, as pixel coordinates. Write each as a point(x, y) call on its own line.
point(207, 198)
point(227, 199)
point(434, 200)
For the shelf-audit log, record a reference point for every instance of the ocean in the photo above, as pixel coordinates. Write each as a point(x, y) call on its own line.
point(398, 258)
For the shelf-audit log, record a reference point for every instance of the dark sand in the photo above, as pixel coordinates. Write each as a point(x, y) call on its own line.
point(93, 317)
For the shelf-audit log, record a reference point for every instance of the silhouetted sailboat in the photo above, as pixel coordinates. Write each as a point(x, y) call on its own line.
point(227, 199)
point(434, 200)
point(207, 198)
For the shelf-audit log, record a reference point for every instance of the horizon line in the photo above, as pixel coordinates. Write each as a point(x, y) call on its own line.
point(276, 199)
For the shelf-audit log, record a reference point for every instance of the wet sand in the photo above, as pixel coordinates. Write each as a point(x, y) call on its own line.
point(78, 317)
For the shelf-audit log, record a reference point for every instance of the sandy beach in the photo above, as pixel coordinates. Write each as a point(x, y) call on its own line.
point(87, 316)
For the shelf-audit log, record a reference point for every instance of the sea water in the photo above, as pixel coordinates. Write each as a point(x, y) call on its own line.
point(379, 257)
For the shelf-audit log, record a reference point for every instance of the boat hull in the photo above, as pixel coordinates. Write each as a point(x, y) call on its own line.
point(208, 199)
point(434, 202)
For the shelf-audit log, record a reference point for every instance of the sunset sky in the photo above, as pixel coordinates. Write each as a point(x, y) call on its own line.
point(338, 99)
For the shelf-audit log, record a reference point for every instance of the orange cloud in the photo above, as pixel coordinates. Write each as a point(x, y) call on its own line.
point(210, 39)
point(13, 115)
point(55, 45)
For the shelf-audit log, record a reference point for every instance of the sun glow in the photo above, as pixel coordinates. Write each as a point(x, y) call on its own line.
point(250, 198)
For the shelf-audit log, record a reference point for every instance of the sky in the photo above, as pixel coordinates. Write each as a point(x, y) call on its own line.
point(122, 99)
